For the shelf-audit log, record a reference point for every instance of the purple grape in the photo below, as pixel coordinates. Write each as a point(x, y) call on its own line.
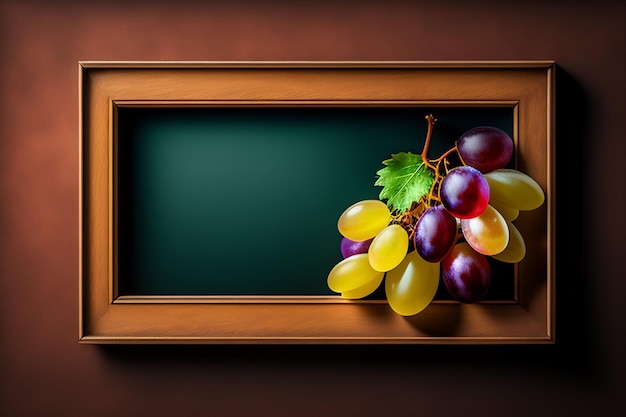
point(466, 274)
point(351, 247)
point(485, 148)
point(435, 234)
point(464, 192)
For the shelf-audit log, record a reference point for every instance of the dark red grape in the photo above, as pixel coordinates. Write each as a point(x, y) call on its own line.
point(466, 274)
point(351, 247)
point(485, 148)
point(435, 234)
point(464, 192)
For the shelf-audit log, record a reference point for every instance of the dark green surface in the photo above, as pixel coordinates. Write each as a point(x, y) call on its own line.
point(245, 201)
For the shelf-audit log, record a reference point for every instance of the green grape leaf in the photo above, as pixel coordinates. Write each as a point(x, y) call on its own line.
point(405, 179)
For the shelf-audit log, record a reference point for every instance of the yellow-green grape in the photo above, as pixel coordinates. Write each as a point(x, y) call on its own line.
point(411, 286)
point(364, 290)
point(514, 189)
point(488, 233)
point(364, 220)
point(509, 213)
point(516, 249)
point(388, 248)
point(352, 273)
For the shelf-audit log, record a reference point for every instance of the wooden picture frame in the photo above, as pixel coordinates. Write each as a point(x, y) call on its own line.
point(105, 316)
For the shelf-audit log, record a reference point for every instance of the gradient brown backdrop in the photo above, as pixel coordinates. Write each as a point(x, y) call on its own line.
point(45, 372)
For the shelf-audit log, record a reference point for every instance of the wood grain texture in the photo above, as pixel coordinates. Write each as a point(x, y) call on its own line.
point(522, 85)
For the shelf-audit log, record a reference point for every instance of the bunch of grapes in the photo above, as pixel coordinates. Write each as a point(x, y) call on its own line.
point(466, 215)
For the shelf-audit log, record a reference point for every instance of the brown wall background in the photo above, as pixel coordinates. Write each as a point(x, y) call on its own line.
point(45, 372)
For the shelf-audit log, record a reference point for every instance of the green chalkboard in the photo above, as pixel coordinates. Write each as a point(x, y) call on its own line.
point(245, 201)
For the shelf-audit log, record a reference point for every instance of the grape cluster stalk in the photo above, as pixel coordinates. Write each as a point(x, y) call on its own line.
point(447, 232)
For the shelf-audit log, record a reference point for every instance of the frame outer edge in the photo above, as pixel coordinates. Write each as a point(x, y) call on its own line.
point(512, 64)
point(551, 325)
point(80, 203)
point(547, 66)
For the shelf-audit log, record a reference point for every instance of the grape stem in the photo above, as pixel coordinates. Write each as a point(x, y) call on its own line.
point(408, 219)
point(431, 122)
point(448, 153)
point(435, 164)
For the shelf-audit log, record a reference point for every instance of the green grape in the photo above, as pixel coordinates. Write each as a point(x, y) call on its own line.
point(352, 273)
point(509, 213)
point(364, 220)
point(364, 290)
point(514, 189)
point(516, 249)
point(411, 286)
point(488, 233)
point(388, 248)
